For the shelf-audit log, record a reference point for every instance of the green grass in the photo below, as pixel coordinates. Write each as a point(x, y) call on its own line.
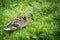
point(46, 24)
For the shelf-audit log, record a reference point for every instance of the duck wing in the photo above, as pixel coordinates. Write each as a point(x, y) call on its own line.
point(15, 23)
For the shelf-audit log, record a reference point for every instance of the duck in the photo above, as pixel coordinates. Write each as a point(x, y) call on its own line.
point(19, 22)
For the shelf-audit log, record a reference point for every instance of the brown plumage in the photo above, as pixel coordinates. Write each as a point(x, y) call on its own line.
point(19, 22)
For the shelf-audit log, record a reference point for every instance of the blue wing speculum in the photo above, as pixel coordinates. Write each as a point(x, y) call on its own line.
point(16, 25)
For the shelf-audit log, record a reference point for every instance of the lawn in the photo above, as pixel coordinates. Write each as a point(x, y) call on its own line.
point(46, 24)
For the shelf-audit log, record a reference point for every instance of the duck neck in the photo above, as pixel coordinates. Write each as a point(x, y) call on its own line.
point(25, 18)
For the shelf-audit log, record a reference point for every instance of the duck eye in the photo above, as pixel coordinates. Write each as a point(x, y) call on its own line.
point(15, 25)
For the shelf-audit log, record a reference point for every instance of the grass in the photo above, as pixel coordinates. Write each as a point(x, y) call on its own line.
point(46, 24)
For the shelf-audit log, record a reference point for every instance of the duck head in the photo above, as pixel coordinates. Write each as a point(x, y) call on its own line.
point(27, 16)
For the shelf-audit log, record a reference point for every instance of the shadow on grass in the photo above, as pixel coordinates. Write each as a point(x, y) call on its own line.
point(57, 35)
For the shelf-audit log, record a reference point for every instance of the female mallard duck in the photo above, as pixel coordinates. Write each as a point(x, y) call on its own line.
point(19, 22)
